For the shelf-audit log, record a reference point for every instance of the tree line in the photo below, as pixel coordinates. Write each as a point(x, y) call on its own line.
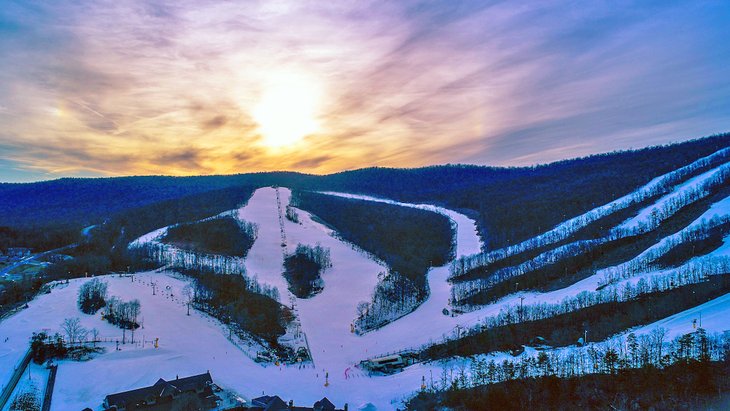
point(222, 235)
point(93, 297)
point(597, 322)
point(567, 226)
point(123, 314)
point(393, 297)
point(240, 302)
point(539, 197)
point(613, 357)
point(686, 384)
point(408, 240)
point(105, 249)
point(698, 270)
point(303, 269)
point(580, 259)
point(173, 257)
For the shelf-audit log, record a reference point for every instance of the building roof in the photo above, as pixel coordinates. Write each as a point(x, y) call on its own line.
point(270, 403)
point(275, 403)
point(324, 404)
point(193, 382)
point(160, 389)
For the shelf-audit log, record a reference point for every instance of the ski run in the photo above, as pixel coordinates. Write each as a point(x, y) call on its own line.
point(172, 343)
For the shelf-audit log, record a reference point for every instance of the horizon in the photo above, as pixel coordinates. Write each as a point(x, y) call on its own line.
point(618, 151)
point(96, 89)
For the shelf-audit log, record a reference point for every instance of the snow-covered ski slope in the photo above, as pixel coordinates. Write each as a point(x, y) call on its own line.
point(193, 344)
point(663, 184)
point(198, 343)
point(680, 189)
point(683, 191)
point(631, 270)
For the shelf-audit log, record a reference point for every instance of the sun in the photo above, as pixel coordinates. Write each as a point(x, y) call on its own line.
point(288, 109)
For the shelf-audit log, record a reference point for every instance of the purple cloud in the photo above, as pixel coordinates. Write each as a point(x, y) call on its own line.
point(109, 88)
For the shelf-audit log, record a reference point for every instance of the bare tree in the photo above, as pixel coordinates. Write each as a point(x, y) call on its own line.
point(73, 329)
point(187, 293)
point(658, 337)
point(134, 308)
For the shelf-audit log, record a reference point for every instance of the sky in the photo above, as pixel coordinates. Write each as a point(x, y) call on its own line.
point(183, 87)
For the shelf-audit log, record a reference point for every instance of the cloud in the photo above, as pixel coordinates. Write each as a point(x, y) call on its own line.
point(169, 87)
point(311, 163)
point(187, 158)
point(214, 123)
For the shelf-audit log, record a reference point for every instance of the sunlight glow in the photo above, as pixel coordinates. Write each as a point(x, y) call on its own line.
point(288, 109)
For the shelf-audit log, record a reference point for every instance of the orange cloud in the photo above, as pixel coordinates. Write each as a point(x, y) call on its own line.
point(171, 87)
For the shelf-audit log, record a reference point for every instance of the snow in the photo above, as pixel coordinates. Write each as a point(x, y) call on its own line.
point(718, 209)
point(566, 228)
point(636, 268)
point(189, 345)
point(716, 214)
point(713, 315)
point(467, 239)
point(427, 322)
point(152, 236)
point(36, 380)
point(435, 326)
point(196, 343)
point(679, 191)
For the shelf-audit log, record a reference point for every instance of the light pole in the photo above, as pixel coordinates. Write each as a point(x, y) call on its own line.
point(521, 300)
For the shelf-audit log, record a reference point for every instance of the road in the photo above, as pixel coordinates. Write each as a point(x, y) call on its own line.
point(26, 260)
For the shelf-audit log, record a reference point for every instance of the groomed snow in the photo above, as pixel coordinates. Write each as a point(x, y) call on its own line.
point(196, 343)
point(679, 191)
point(193, 344)
point(566, 228)
point(713, 316)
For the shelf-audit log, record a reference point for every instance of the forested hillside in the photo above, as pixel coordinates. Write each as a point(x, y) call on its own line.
point(510, 204)
point(686, 385)
point(409, 240)
point(44, 214)
point(600, 255)
point(106, 247)
point(223, 235)
point(513, 204)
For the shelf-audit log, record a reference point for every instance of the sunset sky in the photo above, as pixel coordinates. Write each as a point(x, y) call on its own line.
point(105, 88)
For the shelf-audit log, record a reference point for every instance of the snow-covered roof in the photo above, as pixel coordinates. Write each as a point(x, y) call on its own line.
point(160, 389)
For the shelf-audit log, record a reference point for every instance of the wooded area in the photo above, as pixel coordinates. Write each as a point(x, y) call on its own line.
point(683, 385)
point(303, 269)
point(222, 235)
point(241, 303)
point(599, 321)
point(409, 240)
